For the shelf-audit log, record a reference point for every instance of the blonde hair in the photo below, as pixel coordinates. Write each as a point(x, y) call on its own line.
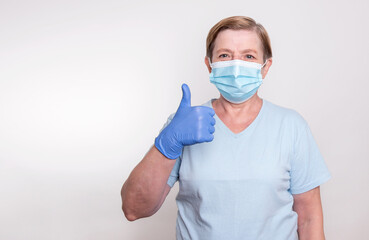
point(239, 23)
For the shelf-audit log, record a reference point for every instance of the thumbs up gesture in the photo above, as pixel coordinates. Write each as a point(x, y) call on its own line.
point(190, 125)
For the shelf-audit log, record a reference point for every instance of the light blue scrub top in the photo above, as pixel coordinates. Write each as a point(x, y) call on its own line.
point(240, 186)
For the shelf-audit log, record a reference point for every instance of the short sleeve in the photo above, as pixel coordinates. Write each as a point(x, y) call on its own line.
point(308, 169)
point(174, 175)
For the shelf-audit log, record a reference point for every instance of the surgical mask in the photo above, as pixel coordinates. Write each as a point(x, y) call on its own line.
point(236, 80)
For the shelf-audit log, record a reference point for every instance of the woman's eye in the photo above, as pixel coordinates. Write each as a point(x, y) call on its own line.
point(223, 55)
point(249, 56)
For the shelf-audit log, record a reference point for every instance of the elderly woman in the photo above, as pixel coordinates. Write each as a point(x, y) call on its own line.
point(247, 169)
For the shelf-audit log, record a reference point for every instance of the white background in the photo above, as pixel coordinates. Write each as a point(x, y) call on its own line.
point(85, 87)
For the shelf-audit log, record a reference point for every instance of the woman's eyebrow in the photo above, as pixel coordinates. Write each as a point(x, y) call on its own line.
point(249, 50)
point(230, 51)
point(224, 50)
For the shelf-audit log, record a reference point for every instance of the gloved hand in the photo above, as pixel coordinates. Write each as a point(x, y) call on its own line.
point(189, 125)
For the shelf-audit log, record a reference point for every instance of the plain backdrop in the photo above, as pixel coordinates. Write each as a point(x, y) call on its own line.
point(85, 87)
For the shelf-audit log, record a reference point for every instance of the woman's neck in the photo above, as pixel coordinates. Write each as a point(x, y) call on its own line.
point(238, 111)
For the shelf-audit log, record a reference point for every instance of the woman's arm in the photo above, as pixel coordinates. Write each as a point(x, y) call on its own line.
point(310, 215)
point(146, 188)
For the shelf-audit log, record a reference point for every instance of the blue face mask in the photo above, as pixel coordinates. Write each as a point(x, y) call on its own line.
point(236, 80)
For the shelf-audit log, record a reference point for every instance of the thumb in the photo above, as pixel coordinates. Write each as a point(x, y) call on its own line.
point(186, 96)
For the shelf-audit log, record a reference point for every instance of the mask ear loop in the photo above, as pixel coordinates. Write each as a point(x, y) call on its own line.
point(264, 63)
point(210, 62)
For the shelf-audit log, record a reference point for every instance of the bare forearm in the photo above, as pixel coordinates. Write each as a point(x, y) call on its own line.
point(145, 189)
point(309, 209)
point(311, 230)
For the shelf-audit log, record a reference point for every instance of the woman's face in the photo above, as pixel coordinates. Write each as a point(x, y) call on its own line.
point(238, 44)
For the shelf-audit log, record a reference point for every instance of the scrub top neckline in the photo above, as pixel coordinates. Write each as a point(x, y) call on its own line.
point(246, 130)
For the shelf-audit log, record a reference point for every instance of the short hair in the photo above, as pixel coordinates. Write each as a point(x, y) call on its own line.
point(239, 23)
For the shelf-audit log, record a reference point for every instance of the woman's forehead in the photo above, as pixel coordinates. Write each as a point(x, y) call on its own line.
point(237, 40)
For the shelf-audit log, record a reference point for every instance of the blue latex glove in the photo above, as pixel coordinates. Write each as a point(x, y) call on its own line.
point(190, 125)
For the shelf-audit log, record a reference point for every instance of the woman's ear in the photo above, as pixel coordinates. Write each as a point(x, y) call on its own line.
point(266, 67)
point(207, 63)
